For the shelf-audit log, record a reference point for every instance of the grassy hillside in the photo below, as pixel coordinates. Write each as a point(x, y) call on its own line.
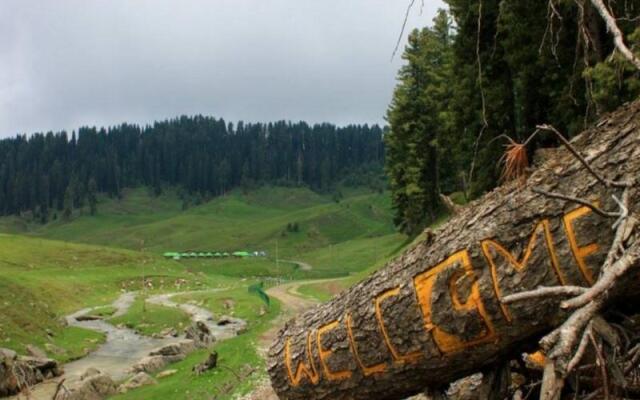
point(336, 238)
point(48, 271)
point(325, 291)
point(43, 280)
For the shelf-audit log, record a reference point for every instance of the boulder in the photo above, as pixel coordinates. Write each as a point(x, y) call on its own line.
point(150, 364)
point(169, 332)
point(166, 373)
point(43, 368)
point(8, 381)
point(94, 385)
point(200, 333)
point(138, 380)
point(88, 318)
point(91, 371)
point(18, 373)
point(210, 363)
point(182, 347)
point(7, 354)
point(35, 351)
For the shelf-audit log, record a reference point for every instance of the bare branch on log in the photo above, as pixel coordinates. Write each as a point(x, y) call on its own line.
point(602, 364)
point(552, 383)
point(608, 280)
point(582, 347)
point(453, 208)
point(618, 38)
point(577, 155)
point(577, 200)
point(544, 291)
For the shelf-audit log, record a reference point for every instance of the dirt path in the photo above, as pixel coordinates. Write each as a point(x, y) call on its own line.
point(303, 265)
point(293, 303)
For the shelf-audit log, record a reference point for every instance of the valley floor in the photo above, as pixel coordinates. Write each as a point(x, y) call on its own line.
point(87, 263)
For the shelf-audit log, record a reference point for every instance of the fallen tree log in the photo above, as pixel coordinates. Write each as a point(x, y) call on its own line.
point(435, 313)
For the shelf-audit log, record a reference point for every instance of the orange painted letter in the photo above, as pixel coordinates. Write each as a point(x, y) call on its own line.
point(324, 355)
point(579, 253)
point(520, 266)
point(374, 369)
point(448, 343)
point(302, 370)
point(397, 357)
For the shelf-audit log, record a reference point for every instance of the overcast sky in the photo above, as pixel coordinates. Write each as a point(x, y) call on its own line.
point(68, 63)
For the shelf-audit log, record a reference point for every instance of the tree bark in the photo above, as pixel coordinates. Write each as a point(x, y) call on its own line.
point(435, 314)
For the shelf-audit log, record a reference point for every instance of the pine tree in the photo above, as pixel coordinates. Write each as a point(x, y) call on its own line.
point(92, 197)
point(68, 203)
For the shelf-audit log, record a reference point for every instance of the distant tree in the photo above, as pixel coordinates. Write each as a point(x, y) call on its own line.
point(68, 203)
point(92, 189)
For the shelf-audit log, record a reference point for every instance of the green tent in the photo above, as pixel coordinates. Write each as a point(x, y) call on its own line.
point(225, 254)
point(208, 254)
point(202, 254)
point(241, 254)
point(171, 254)
point(217, 255)
point(193, 254)
point(185, 255)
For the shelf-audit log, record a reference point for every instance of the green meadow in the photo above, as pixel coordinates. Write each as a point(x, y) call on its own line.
point(49, 271)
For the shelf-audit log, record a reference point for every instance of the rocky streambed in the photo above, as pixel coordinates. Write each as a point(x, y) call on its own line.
point(126, 353)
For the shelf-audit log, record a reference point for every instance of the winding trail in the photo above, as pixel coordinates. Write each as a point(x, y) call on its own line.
point(303, 265)
point(293, 303)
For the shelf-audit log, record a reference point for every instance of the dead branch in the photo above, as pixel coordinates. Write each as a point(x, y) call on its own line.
point(485, 123)
point(404, 26)
point(544, 291)
point(58, 388)
point(602, 364)
point(453, 208)
point(552, 384)
point(608, 279)
point(618, 38)
point(582, 347)
point(578, 156)
point(577, 200)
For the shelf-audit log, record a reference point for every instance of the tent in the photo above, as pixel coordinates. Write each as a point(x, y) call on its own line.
point(241, 254)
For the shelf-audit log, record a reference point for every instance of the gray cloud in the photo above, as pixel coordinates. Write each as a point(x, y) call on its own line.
point(66, 63)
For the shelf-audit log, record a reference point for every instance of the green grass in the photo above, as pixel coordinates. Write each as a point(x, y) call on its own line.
point(384, 249)
point(152, 319)
point(51, 270)
point(43, 280)
point(104, 311)
point(76, 342)
point(253, 221)
point(233, 354)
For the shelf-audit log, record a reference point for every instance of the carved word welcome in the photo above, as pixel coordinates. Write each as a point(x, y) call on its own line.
point(310, 370)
